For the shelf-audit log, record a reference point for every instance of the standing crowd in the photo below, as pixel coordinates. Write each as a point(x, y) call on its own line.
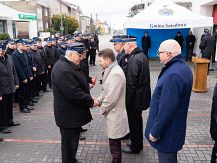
point(25, 70)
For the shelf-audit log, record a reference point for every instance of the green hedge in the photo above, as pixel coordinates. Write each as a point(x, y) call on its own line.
point(4, 36)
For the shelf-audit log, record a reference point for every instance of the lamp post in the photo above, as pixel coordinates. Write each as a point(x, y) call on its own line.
point(64, 24)
point(61, 19)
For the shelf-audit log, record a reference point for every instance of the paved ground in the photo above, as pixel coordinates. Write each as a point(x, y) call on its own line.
point(37, 140)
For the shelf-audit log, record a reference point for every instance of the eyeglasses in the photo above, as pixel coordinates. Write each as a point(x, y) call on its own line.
point(158, 52)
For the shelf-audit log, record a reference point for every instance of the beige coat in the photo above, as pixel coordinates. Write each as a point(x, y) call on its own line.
point(112, 102)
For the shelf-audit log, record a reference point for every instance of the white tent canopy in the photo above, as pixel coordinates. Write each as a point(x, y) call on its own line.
point(164, 14)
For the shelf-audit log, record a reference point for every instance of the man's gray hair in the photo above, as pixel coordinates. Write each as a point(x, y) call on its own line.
point(68, 52)
point(171, 46)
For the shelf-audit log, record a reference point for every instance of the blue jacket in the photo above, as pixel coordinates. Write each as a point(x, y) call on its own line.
point(21, 65)
point(169, 106)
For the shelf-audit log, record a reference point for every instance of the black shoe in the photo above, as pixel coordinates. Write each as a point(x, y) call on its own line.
point(83, 129)
point(81, 137)
point(31, 103)
point(10, 124)
point(30, 108)
point(128, 150)
point(1, 139)
point(25, 110)
point(5, 131)
point(34, 101)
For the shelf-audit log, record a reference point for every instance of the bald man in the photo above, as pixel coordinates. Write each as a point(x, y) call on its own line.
point(166, 125)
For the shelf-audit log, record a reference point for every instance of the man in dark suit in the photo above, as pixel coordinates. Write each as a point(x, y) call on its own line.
point(180, 39)
point(119, 48)
point(24, 74)
point(8, 84)
point(208, 46)
point(146, 43)
point(72, 100)
point(138, 93)
point(190, 41)
point(166, 125)
point(52, 57)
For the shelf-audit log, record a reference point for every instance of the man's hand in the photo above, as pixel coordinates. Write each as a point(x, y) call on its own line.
point(0, 98)
point(152, 138)
point(91, 86)
point(25, 81)
point(31, 78)
point(93, 81)
point(16, 86)
point(34, 69)
point(49, 66)
point(96, 103)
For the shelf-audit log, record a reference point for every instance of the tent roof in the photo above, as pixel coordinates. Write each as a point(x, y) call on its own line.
point(164, 14)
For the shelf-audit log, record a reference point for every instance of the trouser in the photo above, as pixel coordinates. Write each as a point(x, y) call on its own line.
point(6, 110)
point(145, 51)
point(38, 83)
point(69, 144)
point(209, 58)
point(92, 57)
point(115, 148)
point(49, 75)
point(167, 157)
point(136, 129)
point(44, 81)
point(23, 95)
point(189, 54)
point(214, 153)
point(30, 90)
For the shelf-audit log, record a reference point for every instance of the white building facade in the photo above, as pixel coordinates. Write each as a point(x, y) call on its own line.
point(17, 24)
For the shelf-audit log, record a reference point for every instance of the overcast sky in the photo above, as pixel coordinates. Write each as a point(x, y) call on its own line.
point(112, 11)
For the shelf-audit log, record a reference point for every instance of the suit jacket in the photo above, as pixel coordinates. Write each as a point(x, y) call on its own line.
point(21, 65)
point(169, 107)
point(208, 46)
point(8, 79)
point(112, 102)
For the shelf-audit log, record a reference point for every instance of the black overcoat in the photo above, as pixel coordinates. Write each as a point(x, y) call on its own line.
point(72, 98)
point(138, 93)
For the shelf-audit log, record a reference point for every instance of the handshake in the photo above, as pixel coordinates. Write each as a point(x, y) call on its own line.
point(96, 103)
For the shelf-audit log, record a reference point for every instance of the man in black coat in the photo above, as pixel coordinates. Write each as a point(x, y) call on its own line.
point(208, 46)
point(44, 65)
point(61, 50)
point(119, 48)
point(92, 46)
point(138, 93)
point(190, 41)
point(179, 38)
point(24, 74)
point(8, 84)
point(72, 100)
point(11, 46)
point(146, 43)
point(213, 126)
point(52, 57)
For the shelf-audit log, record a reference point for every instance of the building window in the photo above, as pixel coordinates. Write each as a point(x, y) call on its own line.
point(2, 26)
